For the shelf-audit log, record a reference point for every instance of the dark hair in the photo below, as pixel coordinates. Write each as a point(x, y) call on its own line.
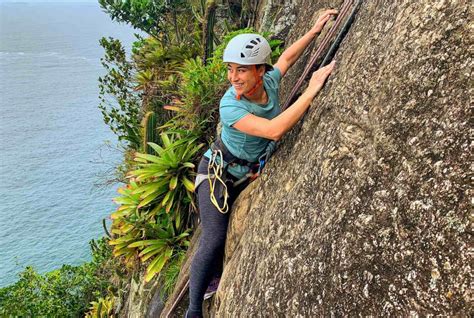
point(268, 67)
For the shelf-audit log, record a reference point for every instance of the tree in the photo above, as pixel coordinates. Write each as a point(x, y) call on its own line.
point(159, 18)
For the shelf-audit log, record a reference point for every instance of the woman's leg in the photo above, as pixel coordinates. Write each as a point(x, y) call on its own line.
point(211, 247)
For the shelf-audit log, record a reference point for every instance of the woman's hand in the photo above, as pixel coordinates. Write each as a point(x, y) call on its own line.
point(323, 18)
point(318, 78)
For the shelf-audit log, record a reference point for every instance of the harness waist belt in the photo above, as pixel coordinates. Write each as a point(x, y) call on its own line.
point(218, 144)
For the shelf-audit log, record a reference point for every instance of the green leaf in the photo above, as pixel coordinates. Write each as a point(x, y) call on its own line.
point(167, 197)
point(153, 247)
point(121, 213)
point(188, 184)
point(181, 236)
point(148, 199)
point(123, 200)
point(151, 158)
point(173, 182)
point(120, 240)
point(178, 220)
point(120, 245)
point(169, 205)
point(151, 253)
point(166, 140)
point(147, 186)
point(156, 147)
point(188, 165)
point(157, 264)
point(144, 243)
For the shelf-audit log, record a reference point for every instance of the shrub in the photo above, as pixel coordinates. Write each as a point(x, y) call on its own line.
point(154, 218)
point(102, 308)
point(121, 113)
point(156, 17)
point(65, 292)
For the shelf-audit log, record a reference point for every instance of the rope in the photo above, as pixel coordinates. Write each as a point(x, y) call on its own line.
point(180, 295)
point(344, 9)
point(218, 170)
point(344, 29)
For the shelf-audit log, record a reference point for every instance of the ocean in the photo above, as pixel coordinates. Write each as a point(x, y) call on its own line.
point(55, 149)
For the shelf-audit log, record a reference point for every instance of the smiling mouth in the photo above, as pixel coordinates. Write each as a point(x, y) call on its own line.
point(238, 85)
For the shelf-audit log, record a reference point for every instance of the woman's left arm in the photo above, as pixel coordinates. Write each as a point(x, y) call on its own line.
point(291, 54)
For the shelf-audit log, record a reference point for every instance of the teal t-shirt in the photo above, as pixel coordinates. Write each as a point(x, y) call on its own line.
point(231, 110)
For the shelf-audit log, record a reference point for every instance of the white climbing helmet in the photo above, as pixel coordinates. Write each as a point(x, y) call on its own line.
point(248, 49)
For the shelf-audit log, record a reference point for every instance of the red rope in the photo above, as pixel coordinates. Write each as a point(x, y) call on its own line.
point(341, 15)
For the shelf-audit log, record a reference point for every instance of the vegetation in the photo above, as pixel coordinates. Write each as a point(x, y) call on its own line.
point(103, 307)
point(120, 105)
point(65, 292)
point(159, 18)
point(154, 219)
point(162, 103)
point(171, 273)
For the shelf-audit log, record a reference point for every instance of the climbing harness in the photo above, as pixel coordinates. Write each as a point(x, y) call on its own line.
point(322, 46)
point(217, 175)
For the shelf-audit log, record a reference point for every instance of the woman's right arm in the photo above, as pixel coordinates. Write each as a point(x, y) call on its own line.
point(275, 128)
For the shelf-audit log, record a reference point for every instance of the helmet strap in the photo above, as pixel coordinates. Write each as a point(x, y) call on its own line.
point(257, 85)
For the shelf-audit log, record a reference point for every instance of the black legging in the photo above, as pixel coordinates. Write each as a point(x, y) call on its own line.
point(207, 261)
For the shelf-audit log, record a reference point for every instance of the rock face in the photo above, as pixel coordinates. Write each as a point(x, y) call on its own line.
point(142, 300)
point(365, 207)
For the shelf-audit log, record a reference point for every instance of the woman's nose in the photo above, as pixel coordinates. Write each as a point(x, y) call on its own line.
point(232, 76)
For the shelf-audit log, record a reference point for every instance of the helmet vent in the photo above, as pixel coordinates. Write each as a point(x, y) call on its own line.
point(253, 42)
point(249, 46)
point(242, 55)
point(255, 52)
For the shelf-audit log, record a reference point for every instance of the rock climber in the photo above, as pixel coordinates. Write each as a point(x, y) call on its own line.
point(251, 123)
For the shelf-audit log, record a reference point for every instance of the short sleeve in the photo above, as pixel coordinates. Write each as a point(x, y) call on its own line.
point(274, 77)
point(231, 113)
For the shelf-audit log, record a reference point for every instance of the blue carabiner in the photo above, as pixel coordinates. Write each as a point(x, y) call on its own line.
point(261, 165)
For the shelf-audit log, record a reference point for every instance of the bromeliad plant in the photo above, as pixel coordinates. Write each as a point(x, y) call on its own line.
point(153, 239)
point(154, 218)
point(164, 243)
point(166, 178)
point(124, 226)
point(102, 308)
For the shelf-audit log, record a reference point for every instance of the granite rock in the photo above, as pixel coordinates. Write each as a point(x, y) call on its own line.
point(365, 208)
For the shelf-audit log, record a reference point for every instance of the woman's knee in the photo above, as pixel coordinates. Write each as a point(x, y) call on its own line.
point(214, 241)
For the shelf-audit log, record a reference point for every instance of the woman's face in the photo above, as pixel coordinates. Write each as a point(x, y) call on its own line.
point(242, 77)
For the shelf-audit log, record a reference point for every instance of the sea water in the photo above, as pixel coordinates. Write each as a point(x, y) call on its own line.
point(53, 149)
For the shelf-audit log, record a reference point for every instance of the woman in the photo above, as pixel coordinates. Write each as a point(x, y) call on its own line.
point(251, 119)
